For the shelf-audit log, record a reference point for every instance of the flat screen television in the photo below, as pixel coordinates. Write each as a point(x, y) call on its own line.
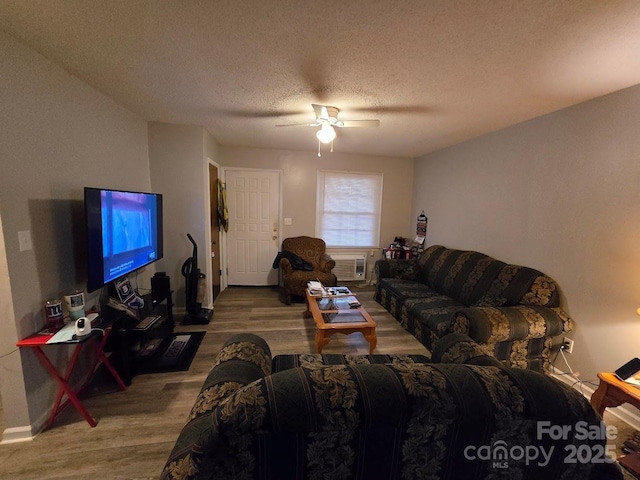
point(124, 233)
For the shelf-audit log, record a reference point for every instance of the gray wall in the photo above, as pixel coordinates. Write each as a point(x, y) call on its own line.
point(57, 135)
point(178, 156)
point(560, 193)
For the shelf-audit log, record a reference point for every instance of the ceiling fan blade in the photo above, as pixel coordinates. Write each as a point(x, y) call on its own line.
point(394, 109)
point(358, 123)
point(298, 125)
point(259, 114)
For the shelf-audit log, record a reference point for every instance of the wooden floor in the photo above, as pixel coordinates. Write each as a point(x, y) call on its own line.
point(137, 428)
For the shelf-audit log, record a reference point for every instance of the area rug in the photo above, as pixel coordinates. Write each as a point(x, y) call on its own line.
point(174, 355)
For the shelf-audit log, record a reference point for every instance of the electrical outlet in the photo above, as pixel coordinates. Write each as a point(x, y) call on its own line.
point(568, 344)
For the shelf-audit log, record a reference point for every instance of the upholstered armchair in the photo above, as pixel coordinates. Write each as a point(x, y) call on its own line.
point(319, 265)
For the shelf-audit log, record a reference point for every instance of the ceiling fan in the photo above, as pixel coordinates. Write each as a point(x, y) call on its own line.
point(327, 120)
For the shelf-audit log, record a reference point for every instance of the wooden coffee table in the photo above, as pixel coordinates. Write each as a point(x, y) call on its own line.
point(329, 320)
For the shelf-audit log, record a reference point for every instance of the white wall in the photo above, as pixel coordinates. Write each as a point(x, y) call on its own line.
point(560, 193)
point(57, 135)
point(299, 176)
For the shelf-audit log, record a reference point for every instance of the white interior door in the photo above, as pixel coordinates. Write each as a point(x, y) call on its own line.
point(253, 201)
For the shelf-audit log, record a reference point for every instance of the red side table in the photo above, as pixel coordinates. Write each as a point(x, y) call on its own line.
point(97, 339)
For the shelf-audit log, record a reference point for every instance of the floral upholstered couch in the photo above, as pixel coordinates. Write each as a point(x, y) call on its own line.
point(381, 417)
point(512, 312)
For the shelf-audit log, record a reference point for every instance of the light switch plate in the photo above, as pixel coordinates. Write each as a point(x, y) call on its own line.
point(288, 221)
point(24, 239)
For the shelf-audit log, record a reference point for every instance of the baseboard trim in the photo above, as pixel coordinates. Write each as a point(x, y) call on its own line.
point(25, 433)
point(16, 435)
point(625, 413)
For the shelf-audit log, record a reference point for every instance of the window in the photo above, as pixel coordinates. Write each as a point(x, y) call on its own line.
point(348, 208)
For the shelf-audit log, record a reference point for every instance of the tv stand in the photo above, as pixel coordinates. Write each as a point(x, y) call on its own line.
point(136, 342)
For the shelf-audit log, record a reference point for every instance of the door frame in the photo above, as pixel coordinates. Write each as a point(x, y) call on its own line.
point(224, 264)
point(207, 236)
point(214, 225)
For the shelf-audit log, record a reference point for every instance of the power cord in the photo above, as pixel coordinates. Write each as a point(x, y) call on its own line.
point(571, 373)
point(140, 290)
point(9, 353)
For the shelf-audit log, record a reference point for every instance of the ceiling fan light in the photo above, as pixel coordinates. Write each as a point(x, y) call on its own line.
point(326, 134)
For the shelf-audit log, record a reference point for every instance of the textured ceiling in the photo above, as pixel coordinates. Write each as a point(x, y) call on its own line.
point(434, 73)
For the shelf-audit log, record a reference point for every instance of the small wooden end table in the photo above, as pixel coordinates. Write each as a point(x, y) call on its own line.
point(334, 320)
point(613, 392)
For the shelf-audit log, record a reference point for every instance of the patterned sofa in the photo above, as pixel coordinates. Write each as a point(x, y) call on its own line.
point(512, 312)
point(345, 417)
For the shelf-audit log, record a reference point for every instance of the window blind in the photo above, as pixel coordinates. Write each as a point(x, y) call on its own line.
point(348, 208)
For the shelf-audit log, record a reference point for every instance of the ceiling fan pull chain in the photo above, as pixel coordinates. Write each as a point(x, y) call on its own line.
point(331, 146)
point(319, 154)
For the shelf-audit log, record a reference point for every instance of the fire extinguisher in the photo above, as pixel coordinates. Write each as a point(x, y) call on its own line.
point(422, 225)
point(421, 231)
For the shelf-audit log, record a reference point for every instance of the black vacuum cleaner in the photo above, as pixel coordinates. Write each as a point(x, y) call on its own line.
point(194, 289)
